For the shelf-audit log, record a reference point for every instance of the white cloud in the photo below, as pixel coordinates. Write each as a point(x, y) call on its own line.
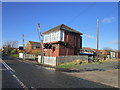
point(115, 42)
point(88, 36)
point(108, 20)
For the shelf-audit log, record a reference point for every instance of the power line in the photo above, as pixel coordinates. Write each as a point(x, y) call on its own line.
point(84, 10)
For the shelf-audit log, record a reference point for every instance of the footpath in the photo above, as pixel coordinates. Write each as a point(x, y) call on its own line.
point(108, 77)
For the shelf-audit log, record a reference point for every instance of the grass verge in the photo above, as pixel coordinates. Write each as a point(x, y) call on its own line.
point(70, 65)
point(14, 55)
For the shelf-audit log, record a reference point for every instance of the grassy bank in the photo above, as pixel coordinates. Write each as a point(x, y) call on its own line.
point(101, 63)
point(14, 55)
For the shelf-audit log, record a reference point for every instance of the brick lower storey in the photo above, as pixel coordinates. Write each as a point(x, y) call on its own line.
point(61, 51)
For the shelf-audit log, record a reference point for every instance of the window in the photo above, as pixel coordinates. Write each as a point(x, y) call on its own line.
point(37, 47)
point(47, 38)
point(34, 47)
point(54, 36)
point(61, 35)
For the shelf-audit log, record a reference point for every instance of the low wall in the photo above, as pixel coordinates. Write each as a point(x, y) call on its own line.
point(54, 61)
point(27, 56)
point(47, 60)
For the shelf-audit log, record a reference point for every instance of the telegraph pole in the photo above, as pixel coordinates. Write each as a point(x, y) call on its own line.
point(41, 43)
point(23, 47)
point(97, 37)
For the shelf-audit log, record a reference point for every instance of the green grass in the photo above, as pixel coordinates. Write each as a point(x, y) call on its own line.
point(67, 65)
point(14, 55)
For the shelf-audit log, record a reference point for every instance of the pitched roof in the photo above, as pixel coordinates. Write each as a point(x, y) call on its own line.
point(86, 48)
point(62, 27)
point(34, 43)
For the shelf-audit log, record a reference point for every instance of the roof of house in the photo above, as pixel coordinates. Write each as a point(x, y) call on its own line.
point(63, 27)
point(34, 43)
point(95, 50)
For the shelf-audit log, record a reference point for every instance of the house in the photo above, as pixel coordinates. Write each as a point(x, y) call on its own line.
point(94, 52)
point(117, 54)
point(62, 41)
point(105, 52)
point(110, 53)
point(87, 50)
point(90, 50)
point(32, 46)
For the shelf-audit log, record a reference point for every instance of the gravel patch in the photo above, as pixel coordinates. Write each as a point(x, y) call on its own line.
point(99, 67)
point(108, 77)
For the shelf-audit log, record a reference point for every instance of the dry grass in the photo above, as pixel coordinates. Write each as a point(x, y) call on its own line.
point(77, 63)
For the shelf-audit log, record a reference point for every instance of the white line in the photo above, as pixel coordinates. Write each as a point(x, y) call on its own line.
point(3, 69)
point(33, 88)
point(19, 81)
point(11, 71)
point(5, 66)
point(8, 66)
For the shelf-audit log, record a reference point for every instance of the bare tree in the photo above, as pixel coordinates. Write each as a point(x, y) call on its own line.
point(9, 45)
point(107, 48)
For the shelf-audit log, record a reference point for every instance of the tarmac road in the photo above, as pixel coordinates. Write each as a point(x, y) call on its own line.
point(22, 74)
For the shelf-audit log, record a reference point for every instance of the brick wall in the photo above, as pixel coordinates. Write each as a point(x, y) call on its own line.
point(74, 45)
point(54, 53)
point(28, 47)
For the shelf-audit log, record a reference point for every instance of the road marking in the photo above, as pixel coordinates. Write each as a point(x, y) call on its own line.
point(2, 69)
point(33, 88)
point(12, 72)
point(19, 81)
point(9, 68)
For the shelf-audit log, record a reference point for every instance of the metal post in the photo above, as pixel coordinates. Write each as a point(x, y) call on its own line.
point(42, 56)
point(23, 47)
point(97, 33)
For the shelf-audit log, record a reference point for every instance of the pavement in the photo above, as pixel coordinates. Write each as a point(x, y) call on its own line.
point(23, 74)
point(108, 77)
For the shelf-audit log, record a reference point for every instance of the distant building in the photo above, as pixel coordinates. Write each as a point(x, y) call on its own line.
point(32, 46)
point(62, 41)
point(94, 52)
point(90, 50)
point(110, 53)
point(87, 50)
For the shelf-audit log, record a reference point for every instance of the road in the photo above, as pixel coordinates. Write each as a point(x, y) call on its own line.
point(22, 74)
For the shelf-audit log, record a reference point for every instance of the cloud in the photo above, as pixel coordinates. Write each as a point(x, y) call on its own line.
point(88, 36)
point(108, 20)
point(115, 42)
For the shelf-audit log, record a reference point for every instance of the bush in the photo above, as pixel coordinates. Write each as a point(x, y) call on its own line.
point(36, 51)
point(13, 52)
point(77, 62)
point(20, 51)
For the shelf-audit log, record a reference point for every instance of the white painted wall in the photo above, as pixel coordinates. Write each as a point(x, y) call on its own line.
point(47, 60)
point(27, 56)
point(54, 36)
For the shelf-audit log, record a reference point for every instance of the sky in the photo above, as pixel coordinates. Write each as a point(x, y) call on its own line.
point(22, 18)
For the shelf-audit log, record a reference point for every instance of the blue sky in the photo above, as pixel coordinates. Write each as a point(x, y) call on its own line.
point(19, 18)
